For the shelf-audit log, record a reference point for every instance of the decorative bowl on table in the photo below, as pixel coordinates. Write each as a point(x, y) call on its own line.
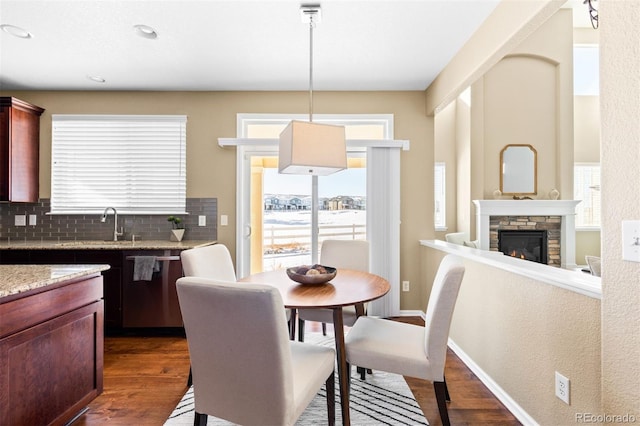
point(312, 274)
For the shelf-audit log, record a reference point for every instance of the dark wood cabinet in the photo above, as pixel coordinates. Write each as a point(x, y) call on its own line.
point(19, 150)
point(112, 277)
point(51, 352)
point(128, 304)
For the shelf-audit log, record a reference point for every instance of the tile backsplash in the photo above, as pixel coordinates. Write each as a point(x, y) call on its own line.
point(88, 227)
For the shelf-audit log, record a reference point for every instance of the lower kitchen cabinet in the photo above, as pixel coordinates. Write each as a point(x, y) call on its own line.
point(128, 304)
point(51, 353)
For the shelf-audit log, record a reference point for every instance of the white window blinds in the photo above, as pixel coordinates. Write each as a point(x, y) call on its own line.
point(135, 163)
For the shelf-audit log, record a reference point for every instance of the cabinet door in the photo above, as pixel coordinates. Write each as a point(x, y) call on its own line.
point(19, 176)
point(112, 283)
point(25, 148)
point(49, 372)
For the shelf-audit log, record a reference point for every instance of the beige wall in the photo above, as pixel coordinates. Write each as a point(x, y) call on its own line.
point(587, 243)
point(211, 169)
point(620, 109)
point(528, 99)
point(520, 331)
point(445, 139)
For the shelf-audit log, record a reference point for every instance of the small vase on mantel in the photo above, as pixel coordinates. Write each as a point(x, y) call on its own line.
point(497, 194)
point(554, 194)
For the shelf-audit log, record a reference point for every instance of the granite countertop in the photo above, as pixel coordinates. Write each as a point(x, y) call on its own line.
point(103, 245)
point(16, 279)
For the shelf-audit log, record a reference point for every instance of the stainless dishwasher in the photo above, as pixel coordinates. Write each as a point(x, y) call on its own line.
point(152, 303)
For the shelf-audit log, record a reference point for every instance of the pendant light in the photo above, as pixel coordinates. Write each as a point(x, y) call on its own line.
point(309, 148)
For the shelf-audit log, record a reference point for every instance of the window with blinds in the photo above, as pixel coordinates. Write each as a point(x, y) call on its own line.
point(135, 163)
point(439, 196)
point(586, 187)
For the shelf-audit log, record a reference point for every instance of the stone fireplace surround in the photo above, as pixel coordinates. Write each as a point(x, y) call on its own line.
point(556, 216)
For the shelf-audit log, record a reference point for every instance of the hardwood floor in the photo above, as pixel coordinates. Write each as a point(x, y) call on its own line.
point(145, 377)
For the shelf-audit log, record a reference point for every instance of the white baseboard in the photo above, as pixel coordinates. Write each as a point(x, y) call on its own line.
point(417, 313)
point(495, 389)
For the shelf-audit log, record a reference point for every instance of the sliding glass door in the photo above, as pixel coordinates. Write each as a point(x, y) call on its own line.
point(283, 219)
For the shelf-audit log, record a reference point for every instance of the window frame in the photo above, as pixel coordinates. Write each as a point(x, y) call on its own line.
point(580, 207)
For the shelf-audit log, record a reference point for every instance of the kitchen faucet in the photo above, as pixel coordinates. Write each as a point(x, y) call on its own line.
point(103, 219)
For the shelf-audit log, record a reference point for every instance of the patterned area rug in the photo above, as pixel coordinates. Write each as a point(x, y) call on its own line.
point(383, 399)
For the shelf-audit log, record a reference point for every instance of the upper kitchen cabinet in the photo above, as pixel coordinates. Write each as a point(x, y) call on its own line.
point(19, 150)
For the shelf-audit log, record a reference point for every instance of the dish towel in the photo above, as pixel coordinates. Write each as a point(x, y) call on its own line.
point(144, 267)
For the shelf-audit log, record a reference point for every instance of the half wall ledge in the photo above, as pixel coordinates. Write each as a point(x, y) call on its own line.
point(569, 279)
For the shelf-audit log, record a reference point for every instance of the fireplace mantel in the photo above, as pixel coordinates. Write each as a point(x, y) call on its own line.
point(566, 209)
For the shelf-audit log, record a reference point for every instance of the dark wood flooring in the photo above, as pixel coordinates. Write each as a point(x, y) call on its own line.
point(145, 377)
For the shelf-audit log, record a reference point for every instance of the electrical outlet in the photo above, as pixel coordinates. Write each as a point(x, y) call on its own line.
point(224, 220)
point(563, 388)
point(33, 219)
point(405, 286)
point(20, 220)
point(202, 220)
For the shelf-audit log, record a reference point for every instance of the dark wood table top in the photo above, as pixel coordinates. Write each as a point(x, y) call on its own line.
point(347, 288)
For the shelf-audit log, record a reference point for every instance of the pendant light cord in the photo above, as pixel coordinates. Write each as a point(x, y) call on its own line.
point(311, 25)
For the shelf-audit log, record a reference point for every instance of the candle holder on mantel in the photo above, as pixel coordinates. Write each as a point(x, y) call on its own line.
point(554, 194)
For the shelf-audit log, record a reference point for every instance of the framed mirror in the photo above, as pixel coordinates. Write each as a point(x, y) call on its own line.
point(518, 170)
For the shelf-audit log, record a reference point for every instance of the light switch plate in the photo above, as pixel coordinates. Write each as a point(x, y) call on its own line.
point(33, 219)
point(631, 240)
point(224, 220)
point(202, 220)
point(21, 220)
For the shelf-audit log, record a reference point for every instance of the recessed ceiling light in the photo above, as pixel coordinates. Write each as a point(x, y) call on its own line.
point(96, 78)
point(145, 31)
point(16, 31)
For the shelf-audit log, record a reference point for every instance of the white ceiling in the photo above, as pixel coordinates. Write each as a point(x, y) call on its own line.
point(232, 45)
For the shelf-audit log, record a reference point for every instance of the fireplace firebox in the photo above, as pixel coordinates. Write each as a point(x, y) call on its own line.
point(524, 244)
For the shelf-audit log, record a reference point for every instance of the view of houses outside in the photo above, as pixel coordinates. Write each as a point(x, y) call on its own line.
point(287, 217)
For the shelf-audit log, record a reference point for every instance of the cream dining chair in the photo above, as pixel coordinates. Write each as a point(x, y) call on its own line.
point(245, 368)
point(345, 254)
point(408, 349)
point(213, 261)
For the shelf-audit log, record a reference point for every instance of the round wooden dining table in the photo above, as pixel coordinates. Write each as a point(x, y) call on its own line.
point(348, 287)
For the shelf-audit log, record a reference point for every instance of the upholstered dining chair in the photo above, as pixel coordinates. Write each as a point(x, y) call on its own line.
point(409, 349)
point(245, 368)
point(346, 254)
point(213, 261)
point(594, 264)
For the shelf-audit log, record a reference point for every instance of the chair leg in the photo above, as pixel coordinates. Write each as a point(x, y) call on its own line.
point(190, 379)
point(363, 372)
point(300, 330)
point(446, 389)
point(441, 398)
point(330, 384)
point(200, 419)
point(324, 329)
